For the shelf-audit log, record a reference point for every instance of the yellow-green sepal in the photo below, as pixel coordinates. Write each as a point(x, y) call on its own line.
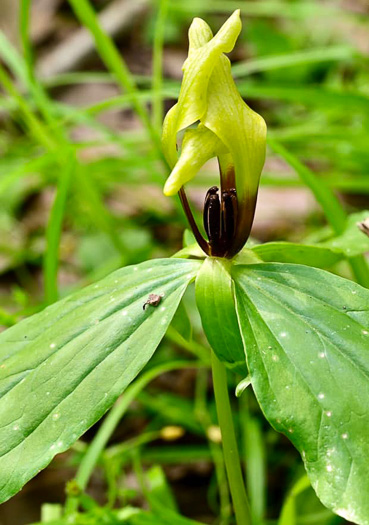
point(198, 146)
point(204, 52)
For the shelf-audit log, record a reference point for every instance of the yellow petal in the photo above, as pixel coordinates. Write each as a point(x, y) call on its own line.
point(204, 53)
point(198, 146)
point(243, 132)
point(241, 129)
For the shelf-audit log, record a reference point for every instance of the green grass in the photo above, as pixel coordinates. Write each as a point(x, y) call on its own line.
point(309, 83)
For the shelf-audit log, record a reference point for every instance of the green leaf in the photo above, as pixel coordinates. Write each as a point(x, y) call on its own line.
point(255, 462)
point(306, 336)
point(352, 241)
point(288, 514)
point(51, 512)
point(188, 238)
point(310, 255)
point(181, 322)
point(242, 385)
point(160, 492)
point(63, 368)
point(193, 251)
point(215, 301)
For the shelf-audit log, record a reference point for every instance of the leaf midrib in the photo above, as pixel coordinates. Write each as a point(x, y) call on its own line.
point(299, 372)
point(23, 440)
point(165, 280)
point(304, 320)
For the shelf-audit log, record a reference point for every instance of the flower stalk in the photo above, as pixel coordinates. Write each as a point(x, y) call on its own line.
point(230, 450)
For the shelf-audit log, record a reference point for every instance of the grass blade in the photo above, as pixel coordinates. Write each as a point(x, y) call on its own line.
point(53, 233)
point(157, 107)
point(332, 208)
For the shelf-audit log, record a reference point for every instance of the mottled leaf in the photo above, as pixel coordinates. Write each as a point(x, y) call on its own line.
point(63, 368)
point(306, 336)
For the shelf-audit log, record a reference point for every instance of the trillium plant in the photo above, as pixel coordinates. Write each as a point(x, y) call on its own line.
point(298, 334)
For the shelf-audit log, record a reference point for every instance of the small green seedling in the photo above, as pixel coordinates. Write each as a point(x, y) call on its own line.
point(300, 335)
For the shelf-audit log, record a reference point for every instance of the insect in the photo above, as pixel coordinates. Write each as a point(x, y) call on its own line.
point(153, 300)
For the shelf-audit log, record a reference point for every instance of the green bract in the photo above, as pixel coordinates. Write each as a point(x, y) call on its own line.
point(227, 128)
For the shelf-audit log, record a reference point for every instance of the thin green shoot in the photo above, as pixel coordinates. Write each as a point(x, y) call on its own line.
point(157, 80)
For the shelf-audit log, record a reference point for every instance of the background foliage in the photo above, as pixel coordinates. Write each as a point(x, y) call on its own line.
point(81, 195)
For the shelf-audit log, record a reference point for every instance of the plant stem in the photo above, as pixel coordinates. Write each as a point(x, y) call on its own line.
point(202, 415)
point(230, 451)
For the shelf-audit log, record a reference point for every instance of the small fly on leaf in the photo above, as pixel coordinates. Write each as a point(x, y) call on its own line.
point(153, 300)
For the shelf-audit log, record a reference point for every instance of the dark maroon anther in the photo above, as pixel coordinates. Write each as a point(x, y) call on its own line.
point(211, 215)
point(220, 216)
point(220, 219)
point(228, 216)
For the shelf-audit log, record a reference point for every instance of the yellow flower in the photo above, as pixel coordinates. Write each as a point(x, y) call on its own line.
point(225, 127)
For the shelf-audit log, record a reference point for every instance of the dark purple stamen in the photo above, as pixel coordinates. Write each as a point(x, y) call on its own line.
point(220, 218)
point(211, 215)
point(229, 215)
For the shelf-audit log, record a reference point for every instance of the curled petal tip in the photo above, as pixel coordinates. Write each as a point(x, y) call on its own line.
point(199, 33)
point(169, 190)
point(198, 146)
